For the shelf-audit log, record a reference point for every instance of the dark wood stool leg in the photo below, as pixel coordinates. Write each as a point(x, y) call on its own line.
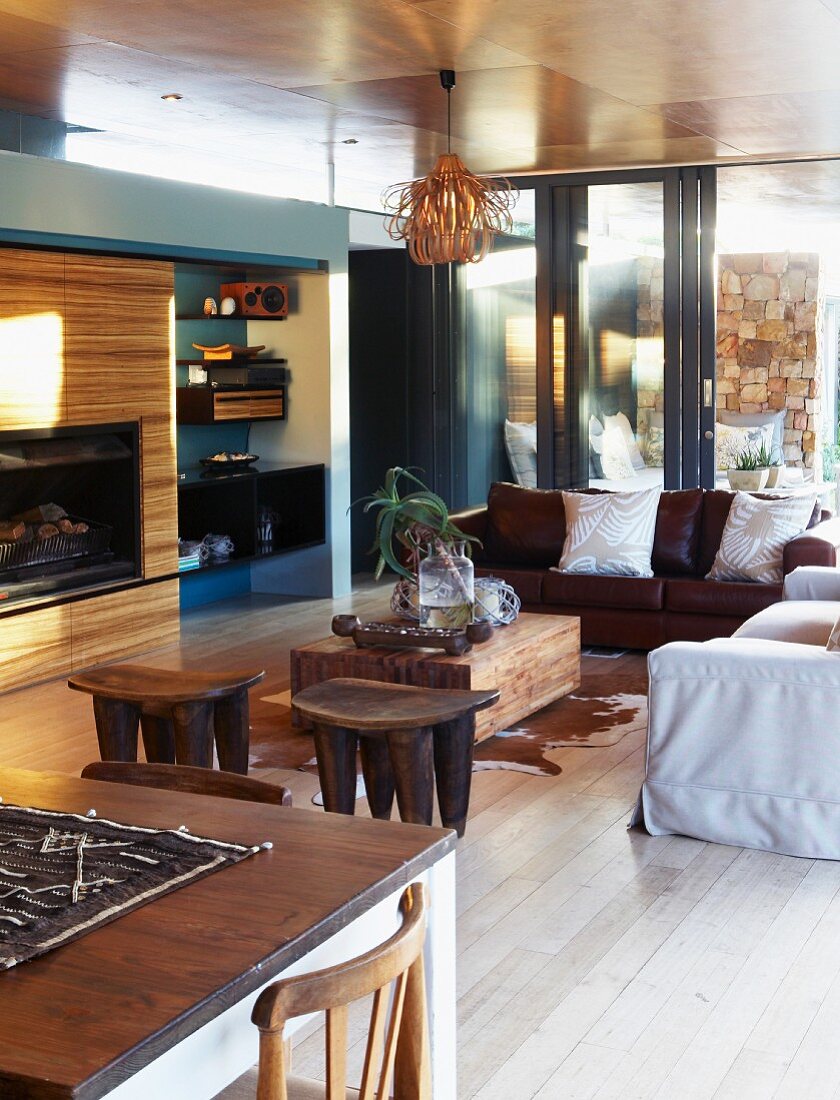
point(335, 749)
point(158, 738)
point(410, 752)
point(193, 733)
point(379, 778)
point(116, 728)
point(232, 732)
point(454, 747)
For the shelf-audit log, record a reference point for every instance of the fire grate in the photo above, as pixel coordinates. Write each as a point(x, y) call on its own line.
point(56, 548)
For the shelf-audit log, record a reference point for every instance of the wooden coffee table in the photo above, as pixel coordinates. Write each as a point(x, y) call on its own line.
point(532, 662)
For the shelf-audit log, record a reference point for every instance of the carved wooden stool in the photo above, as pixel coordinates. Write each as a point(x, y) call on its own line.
point(179, 711)
point(408, 737)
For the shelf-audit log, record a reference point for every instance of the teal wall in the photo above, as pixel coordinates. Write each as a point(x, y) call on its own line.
point(60, 204)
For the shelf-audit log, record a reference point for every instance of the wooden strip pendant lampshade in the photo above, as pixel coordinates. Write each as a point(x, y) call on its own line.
point(451, 214)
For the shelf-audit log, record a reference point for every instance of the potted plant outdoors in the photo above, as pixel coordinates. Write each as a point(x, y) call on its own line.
point(748, 474)
point(418, 521)
point(774, 462)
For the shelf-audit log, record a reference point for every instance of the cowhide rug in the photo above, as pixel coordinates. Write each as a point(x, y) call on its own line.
point(610, 703)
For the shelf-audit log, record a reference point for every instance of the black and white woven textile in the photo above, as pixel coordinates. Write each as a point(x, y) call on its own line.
point(62, 875)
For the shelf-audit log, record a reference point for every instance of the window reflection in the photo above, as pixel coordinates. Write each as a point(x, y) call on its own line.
point(501, 381)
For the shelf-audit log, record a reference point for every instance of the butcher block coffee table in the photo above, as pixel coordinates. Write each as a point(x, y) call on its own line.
point(531, 663)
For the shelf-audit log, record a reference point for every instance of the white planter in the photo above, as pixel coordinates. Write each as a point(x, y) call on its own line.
point(775, 475)
point(748, 481)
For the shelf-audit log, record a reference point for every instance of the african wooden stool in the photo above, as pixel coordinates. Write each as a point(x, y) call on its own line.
point(179, 711)
point(408, 737)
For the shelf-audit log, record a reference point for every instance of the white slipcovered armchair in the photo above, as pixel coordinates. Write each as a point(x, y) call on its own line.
point(744, 732)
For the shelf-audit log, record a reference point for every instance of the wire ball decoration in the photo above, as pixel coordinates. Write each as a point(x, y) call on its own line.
point(450, 215)
point(405, 600)
point(495, 601)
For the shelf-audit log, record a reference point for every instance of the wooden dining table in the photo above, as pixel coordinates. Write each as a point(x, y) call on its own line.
point(157, 1003)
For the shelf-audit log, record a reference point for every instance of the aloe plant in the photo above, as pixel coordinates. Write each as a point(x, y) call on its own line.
point(762, 456)
point(748, 460)
point(414, 519)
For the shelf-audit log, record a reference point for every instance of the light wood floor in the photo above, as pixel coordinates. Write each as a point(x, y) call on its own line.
point(593, 962)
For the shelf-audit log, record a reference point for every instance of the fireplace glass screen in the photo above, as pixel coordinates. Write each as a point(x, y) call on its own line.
point(69, 509)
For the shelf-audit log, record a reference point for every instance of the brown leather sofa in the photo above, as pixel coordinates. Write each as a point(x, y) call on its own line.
point(522, 533)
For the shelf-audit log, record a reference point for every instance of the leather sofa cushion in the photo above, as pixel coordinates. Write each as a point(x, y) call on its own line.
point(585, 590)
point(524, 526)
point(526, 583)
point(716, 504)
point(677, 535)
point(726, 598)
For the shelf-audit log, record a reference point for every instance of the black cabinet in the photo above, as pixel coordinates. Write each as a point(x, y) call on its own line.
point(266, 510)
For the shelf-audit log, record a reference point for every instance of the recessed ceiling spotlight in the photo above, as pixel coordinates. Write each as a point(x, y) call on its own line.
point(171, 97)
point(350, 141)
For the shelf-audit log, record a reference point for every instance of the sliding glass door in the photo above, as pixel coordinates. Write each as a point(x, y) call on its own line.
point(609, 335)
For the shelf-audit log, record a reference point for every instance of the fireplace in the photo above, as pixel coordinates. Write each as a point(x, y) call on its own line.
point(69, 509)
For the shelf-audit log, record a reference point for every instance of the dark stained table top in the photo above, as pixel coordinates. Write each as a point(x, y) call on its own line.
point(79, 1020)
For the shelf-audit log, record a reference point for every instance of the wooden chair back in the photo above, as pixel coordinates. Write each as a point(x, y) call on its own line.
point(180, 777)
point(398, 1039)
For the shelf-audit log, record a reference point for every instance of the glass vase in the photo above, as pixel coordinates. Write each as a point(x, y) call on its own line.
point(447, 591)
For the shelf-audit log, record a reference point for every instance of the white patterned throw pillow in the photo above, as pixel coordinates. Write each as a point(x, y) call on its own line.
point(615, 458)
point(609, 533)
point(755, 537)
point(623, 425)
point(732, 440)
point(521, 447)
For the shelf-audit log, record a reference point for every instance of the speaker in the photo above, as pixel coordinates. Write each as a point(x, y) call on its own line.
point(258, 299)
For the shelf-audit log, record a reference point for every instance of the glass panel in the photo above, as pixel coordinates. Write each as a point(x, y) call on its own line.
point(610, 408)
point(500, 388)
point(778, 270)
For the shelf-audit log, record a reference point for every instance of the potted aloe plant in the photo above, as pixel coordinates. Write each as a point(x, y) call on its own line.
point(751, 470)
point(775, 463)
point(415, 524)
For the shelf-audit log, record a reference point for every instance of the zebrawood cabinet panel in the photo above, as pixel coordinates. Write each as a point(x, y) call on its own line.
point(33, 383)
point(119, 316)
point(159, 496)
point(123, 624)
point(89, 340)
point(35, 646)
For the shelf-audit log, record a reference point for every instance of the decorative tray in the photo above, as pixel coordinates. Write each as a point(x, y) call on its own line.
point(226, 460)
point(452, 641)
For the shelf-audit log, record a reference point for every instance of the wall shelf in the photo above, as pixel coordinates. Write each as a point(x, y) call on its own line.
point(231, 503)
point(225, 317)
point(254, 361)
point(205, 405)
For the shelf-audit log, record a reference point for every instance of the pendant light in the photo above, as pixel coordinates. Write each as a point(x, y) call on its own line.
point(451, 214)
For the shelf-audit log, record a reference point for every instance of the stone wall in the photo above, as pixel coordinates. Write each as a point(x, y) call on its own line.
point(769, 344)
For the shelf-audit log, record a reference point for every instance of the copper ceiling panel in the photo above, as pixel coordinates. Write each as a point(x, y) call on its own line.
point(657, 51)
point(527, 105)
point(805, 123)
point(282, 44)
point(18, 35)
